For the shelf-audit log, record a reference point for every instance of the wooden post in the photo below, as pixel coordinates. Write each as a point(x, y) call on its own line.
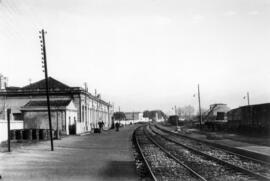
point(199, 99)
point(248, 98)
point(176, 119)
point(8, 128)
point(47, 85)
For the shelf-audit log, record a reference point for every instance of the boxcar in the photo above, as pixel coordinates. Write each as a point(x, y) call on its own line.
point(250, 118)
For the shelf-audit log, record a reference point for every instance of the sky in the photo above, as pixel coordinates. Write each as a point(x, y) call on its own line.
point(143, 54)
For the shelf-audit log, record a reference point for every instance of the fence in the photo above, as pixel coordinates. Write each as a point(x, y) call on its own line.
point(3, 128)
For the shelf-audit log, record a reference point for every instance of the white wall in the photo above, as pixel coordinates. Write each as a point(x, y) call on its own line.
point(127, 122)
point(3, 128)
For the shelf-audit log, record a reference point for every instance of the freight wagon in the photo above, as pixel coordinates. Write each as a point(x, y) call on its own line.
point(252, 118)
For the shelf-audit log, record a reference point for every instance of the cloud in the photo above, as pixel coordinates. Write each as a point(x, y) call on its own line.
point(163, 20)
point(197, 18)
point(230, 13)
point(254, 13)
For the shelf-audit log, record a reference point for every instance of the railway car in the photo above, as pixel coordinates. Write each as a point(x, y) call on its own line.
point(252, 118)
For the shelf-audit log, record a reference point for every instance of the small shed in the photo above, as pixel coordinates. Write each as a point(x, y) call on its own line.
point(217, 112)
point(63, 115)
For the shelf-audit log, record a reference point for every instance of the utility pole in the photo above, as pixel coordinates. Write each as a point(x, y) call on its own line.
point(119, 114)
point(133, 116)
point(44, 62)
point(8, 127)
point(200, 112)
point(250, 109)
point(248, 98)
point(176, 114)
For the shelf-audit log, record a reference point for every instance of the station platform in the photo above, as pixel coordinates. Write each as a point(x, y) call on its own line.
point(94, 157)
point(253, 147)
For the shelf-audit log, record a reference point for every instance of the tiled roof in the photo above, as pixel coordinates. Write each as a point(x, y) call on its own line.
point(55, 88)
point(43, 103)
point(12, 88)
point(53, 84)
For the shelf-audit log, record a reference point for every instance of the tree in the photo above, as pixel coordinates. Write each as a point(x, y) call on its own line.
point(146, 114)
point(185, 112)
point(119, 116)
point(152, 114)
point(204, 113)
point(189, 111)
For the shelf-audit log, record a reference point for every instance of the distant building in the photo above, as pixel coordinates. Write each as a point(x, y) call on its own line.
point(3, 82)
point(216, 112)
point(30, 99)
point(134, 117)
point(158, 117)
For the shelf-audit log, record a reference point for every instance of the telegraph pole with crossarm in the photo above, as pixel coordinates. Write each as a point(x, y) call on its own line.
point(44, 65)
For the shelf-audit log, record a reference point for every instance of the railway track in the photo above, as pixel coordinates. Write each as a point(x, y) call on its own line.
point(162, 165)
point(258, 170)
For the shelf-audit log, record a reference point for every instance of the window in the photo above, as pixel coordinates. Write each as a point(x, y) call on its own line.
point(82, 118)
point(220, 116)
point(63, 121)
point(18, 116)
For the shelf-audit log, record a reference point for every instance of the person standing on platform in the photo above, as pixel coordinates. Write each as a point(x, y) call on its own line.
point(100, 125)
point(117, 125)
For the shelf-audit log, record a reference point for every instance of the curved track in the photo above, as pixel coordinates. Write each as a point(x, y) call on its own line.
point(256, 169)
point(161, 164)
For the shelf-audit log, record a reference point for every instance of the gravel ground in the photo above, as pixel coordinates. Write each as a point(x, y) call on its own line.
point(254, 166)
point(162, 166)
point(211, 170)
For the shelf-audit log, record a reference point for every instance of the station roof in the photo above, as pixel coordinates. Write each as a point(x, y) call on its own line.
point(43, 103)
point(53, 84)
point(55, 88)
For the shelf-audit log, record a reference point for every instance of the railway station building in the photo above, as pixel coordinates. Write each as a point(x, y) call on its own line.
point(74, 109)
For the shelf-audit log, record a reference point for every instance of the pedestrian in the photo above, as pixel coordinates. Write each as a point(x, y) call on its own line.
point(100, 125)
point(117, 125)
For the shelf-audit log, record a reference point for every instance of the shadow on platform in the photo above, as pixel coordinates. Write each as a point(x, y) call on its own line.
point(121, 169)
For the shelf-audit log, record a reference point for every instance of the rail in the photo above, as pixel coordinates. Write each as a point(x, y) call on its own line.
point(143, 156)
point(261, 177)
point(175, 158)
